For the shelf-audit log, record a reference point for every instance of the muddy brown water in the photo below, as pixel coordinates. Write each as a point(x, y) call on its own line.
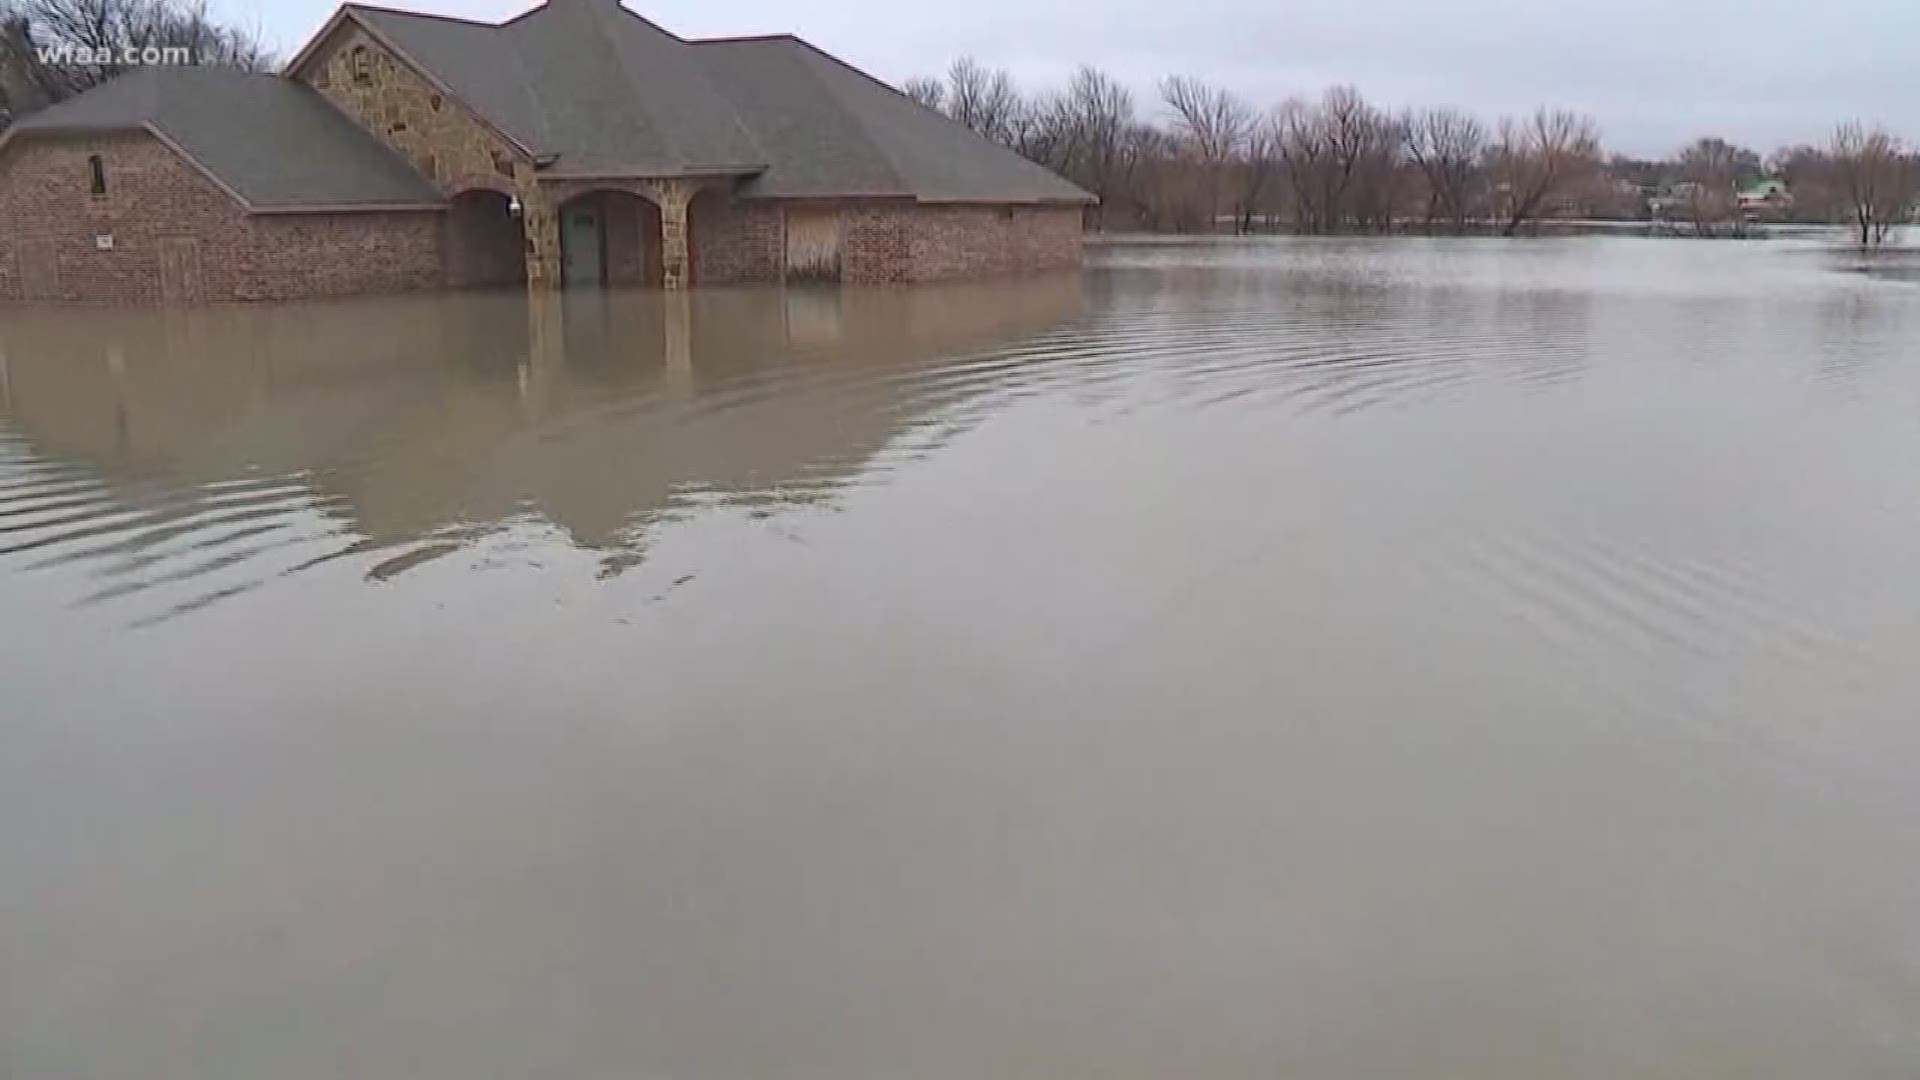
point(1271, 659)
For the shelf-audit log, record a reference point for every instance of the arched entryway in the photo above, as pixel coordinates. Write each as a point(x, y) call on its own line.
point(609, 239)
point(485, 244)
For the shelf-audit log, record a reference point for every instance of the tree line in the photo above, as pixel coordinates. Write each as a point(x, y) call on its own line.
point(1198, 157)
point(1202, 158)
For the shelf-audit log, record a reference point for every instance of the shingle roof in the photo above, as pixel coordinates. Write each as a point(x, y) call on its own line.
point(830, 129)
point(591, 89)
point(601, 88)
point(275, 142)
point(603, 91)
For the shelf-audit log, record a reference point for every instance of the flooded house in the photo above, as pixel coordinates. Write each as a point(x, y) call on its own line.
point(576, 145)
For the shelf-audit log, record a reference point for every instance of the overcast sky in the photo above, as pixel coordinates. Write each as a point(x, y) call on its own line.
point(1654, 72)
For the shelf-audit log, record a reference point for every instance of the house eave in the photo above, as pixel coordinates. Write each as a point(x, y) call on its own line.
point(349, 208)
point(1002, 200)
point(650, 172)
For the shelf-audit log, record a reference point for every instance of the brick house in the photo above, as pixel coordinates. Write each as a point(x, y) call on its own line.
point(577, 144)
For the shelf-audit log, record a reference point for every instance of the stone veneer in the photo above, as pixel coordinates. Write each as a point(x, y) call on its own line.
point(670, 196)
point(451, 145)
point(706, 234)
point(160, 209)
point(443, 139)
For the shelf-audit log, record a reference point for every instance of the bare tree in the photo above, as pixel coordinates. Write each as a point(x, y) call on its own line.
point(1365, 144)
point(1259, 161)
point(1540, 159)
point(97, 37)
point(1212, 120)
point(982, 98)
point(1341, 157)
point(1211, 124)
point(1448, 147)
point(1304, 157)
point(1809, 174)
point(928, 92)
point(1712, 169)
point(1087, 132)
point(1154, 176)
point(1874, 179)
point(21, 87)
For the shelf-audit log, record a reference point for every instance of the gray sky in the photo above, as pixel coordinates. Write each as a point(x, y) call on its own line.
point(1654, 72)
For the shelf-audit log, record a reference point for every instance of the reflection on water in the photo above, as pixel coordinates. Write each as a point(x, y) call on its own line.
point(1345, 658)
point(204, 452)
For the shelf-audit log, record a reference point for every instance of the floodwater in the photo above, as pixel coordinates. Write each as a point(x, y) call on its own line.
point(1275, 659)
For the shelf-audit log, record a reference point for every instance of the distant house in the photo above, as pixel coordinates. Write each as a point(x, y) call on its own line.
point(1679, 197)
point(1769, 198)
point(577, 144)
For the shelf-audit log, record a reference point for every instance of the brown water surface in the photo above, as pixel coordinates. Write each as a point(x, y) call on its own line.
point(1269, 659)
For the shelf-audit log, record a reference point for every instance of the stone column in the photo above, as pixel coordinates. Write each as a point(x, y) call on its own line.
point(676, 269)
point(540, 222)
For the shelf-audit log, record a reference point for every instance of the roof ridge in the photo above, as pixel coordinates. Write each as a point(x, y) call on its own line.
point(357, 5)
point(620, 6)
point(613, 9)
point(726, 38)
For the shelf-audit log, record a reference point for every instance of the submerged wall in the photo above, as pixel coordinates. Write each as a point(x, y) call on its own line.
point(163, 231)
point(885, 241)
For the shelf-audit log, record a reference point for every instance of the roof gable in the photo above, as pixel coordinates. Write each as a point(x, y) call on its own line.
point(273, 143)
point(586, 83)
point(589, 88)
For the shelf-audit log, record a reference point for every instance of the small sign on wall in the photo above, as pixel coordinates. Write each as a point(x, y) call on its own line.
point(103, 242)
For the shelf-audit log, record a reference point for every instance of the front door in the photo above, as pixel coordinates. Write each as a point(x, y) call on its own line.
point(582, 246)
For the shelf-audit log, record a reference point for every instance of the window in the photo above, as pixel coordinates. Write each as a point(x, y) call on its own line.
point(97, 172)
point(362, 65)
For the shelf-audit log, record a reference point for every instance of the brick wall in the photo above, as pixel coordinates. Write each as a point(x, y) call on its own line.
point(175, 235)
point(952, 243)
point(876, 243)
point(152, 195)
point(743, 240)
point(736, 241)
point(296, 255)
